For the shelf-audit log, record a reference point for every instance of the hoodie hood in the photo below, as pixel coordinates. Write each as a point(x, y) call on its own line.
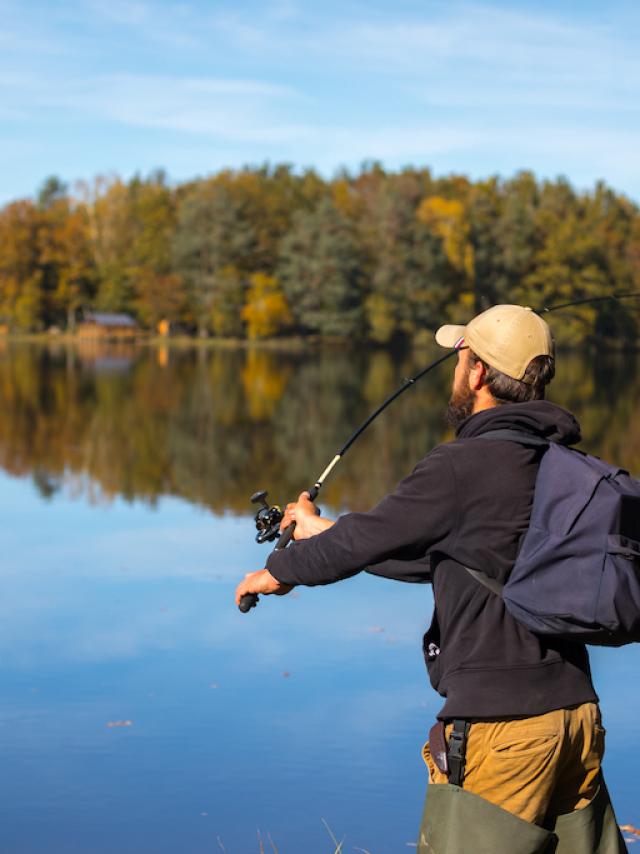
point(539, 417)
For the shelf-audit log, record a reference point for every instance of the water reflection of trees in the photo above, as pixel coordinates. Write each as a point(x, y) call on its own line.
point(215, 425)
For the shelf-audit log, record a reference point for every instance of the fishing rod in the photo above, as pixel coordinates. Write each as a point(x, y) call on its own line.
point(587, 300)
point(268, 517)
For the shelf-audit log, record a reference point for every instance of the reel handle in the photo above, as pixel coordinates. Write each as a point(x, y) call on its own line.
point(250, 600)
point(287, 535)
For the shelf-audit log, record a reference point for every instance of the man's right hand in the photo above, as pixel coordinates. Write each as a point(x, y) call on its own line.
point(304, 513)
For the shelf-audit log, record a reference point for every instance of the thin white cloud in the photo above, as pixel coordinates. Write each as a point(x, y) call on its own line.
point(471, 52)
point(466, 31)
point(172, 25)
point(227, 110)
point(236, 110)
point(125, 12)
point(16, 41)
point(283, 10)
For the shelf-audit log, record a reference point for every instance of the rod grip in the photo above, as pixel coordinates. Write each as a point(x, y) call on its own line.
point(285, 537)
point(248, 601)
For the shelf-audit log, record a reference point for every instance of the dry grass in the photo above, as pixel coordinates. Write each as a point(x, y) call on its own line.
point(274, 850)
point(272, 845)
point(333, 839)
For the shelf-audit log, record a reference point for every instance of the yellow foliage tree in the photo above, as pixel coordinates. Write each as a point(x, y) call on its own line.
point(447, 219)
point(344, 198)
point(266, 311)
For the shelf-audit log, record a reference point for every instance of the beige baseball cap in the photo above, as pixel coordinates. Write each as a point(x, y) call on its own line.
point(507, 337)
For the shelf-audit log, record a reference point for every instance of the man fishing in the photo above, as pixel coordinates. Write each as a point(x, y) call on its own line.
point(517, 750)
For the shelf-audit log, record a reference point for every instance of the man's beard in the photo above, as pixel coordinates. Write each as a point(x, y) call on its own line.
point(460, 404)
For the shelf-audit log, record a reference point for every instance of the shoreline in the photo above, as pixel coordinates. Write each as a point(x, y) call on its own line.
point(292, 344)
point(289, 344)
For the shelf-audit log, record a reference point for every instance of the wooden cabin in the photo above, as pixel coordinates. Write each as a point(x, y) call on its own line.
point(105, 326)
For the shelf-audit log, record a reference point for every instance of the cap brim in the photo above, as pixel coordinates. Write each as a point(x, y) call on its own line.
point(449, 336)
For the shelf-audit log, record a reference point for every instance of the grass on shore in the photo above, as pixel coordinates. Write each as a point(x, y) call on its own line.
point(273, 849)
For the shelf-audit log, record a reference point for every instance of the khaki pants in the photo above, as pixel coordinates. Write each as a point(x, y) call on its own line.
point(535, 768)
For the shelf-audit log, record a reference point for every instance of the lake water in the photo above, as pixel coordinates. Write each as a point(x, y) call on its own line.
point(139, 710)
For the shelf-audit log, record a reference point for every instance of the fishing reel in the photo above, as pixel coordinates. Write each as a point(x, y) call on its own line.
point(267, 518)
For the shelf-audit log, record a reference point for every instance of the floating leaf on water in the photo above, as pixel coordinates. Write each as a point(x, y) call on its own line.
point(629, 828)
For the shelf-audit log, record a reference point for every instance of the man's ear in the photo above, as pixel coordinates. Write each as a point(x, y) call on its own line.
point(477, 376)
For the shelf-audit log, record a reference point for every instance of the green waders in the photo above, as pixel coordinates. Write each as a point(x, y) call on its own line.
point(458, 822)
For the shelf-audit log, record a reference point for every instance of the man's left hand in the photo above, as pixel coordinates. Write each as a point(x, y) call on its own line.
point(261, 582)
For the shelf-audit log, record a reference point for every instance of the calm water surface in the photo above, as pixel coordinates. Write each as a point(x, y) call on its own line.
point(140, 711)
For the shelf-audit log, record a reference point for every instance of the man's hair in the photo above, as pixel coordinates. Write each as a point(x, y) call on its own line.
point(539, 373)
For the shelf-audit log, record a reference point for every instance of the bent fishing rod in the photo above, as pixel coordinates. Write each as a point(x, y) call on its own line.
point(268, 517)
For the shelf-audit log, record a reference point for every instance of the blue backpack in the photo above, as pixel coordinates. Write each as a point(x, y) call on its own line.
point(577, 573)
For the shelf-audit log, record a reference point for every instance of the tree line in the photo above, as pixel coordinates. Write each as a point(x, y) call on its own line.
point(263, 252)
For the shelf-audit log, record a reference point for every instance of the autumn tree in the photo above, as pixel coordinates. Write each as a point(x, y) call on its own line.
point(321, 273)
point(447, 219)
point(566, 263)
point(212, 240)
point(20, 293)
point(110, 231)
point(409, 280)
point(158, 292)
point(65, 257)
point(266, 312)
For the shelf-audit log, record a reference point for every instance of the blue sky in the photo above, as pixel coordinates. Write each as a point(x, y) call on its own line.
point(103, 86)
